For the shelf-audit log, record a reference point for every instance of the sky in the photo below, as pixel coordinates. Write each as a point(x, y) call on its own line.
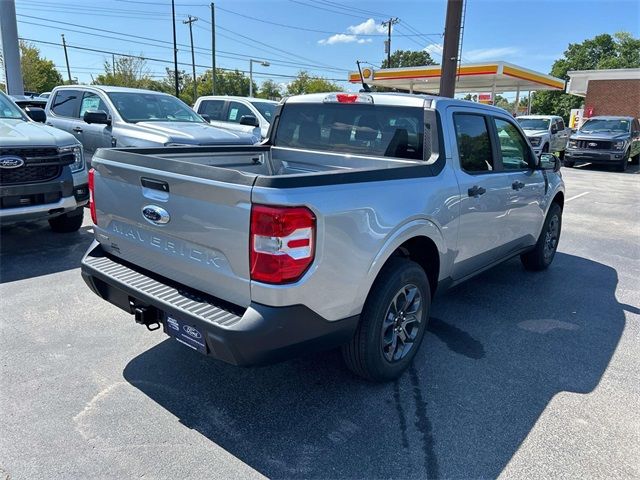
point(324, 37)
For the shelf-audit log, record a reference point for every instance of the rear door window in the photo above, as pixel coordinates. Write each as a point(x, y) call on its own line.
point(381, 131)
point(92, 102)
point(236, 111)
point(66, 103)
point(213, 108)
point(474, 145)
point(513, 146)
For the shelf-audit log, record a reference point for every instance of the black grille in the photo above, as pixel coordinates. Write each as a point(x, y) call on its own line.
point(594, 145)
point(29, 174)
point(41, 164)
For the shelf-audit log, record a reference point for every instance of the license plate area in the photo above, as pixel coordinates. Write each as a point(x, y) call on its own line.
point(185, 332)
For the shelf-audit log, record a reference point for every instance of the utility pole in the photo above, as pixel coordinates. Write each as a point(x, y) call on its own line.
point(450, 49)
point(10, 48)
point(193, 57)
point(175, 49)
point(66, 57)
point(213, 49)
point(113, 64)
point(387, 43)
point(264, 63)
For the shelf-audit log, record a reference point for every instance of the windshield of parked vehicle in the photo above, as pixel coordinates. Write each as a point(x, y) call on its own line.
point(605, 125)
point(8, 109)
point(381, 131)
point(150, 107)
point(266, 109)
point(534, 123)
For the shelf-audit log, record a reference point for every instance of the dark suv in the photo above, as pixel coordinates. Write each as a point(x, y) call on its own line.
point(605, 140)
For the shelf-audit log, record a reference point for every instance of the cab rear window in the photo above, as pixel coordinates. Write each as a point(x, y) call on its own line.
point(381, 131)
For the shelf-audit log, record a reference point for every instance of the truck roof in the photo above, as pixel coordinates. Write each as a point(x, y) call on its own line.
point(538, 116)
point(398, 99)
point(111, 89)
point(611, 117)
point(235, 97)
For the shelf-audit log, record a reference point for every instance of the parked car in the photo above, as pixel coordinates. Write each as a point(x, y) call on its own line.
point(242, 114)
point(45, 95)
point(605, 140)
point(101, 116)
point(355, 210)
point(546, 133)
point(42, 171)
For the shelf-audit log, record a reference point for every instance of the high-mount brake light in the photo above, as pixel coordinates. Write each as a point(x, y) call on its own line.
point(282, 243)
point(92, 203)
point(348, 98)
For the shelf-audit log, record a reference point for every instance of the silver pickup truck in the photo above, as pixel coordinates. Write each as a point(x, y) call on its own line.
point(337, 231)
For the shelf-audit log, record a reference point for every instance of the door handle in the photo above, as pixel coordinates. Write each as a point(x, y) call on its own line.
point(517, 185)
point(476, 191)
point(77, 130)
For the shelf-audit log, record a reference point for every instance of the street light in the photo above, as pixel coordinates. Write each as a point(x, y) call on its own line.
point(261, 62)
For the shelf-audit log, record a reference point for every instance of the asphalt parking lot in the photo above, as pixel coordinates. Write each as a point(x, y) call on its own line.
point(520, 375)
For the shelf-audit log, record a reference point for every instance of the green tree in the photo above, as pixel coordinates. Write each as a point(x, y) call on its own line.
point(38, 73)
point(604, 51)
point(408, 58)
point(270, 89)
point(227, 83)
point(304, 83)
point(127, 72)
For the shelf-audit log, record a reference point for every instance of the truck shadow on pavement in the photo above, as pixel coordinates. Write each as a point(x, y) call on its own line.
point(499, 348)
point(31, 249)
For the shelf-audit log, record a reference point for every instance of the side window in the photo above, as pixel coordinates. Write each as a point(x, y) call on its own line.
point(474, 147)
point(560, 125)
point(237, 111)
point(66, 103)
point(514, 148)
point(213, 108)
point(91, 101)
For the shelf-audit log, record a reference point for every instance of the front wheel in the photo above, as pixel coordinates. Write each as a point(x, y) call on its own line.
point(561, 154)
point(545, 250)
point(545, 148)
point(67, 222)
point(392, 324)
point(622, 167)
point(569, 164)
point(635, 160)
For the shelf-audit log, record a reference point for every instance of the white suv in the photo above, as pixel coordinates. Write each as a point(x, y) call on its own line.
point(243, 114)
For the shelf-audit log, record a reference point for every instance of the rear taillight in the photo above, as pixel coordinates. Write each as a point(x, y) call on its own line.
point(282, 243)
point(92, 203)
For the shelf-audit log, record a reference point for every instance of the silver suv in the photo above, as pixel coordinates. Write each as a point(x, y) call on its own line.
point(103, 117)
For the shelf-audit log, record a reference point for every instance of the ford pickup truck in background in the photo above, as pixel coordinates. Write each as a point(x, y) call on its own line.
point(241, 114)
point(605, 140)
point(42, 171)
point(337, 231)
point(546, 133)
point(100, 116)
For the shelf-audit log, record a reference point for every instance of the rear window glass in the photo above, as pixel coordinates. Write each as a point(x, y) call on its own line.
point(381, 131)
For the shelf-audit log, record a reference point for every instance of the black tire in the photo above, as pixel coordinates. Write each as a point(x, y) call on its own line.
point(545, 148)
point(569, 164)
point(636, 159)
point(622, 167)
point(366, 354)
point(545, 250)
point(561, 154)
point(68, 222)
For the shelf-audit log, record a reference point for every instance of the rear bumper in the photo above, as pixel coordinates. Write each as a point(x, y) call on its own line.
point(591, 156)
point(240, 336)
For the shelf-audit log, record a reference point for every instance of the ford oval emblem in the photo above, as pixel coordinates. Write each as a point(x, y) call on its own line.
point(10, 161)
point(592, 144)
point(191, 331)
point(156, 215)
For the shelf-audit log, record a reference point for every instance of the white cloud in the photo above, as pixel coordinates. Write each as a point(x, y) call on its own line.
point(481, 54)
point(435, 50)
point(365, 28)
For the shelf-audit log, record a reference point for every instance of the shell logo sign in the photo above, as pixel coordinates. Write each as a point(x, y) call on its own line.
point(367, 73)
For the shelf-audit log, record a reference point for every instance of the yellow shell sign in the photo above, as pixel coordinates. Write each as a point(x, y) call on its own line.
point(366, 73)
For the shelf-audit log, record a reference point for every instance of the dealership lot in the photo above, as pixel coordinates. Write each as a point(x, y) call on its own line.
point(521, 374)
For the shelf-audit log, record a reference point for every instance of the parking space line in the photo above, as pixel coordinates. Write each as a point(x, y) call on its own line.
point(577, 196)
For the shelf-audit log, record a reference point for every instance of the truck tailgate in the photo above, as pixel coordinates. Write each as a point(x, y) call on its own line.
point(188, 222)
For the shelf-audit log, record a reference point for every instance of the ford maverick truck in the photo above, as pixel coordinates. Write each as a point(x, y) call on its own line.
point(337, 231)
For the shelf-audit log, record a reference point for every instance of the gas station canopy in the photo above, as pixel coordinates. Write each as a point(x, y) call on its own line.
point(494, 77)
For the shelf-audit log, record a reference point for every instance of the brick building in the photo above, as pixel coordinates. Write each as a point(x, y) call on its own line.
point(607, 92)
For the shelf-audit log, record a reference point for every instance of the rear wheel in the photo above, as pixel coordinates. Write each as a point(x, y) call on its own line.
point(68, 222)
point(561, 154)
point(545, 250)
point(392, 324)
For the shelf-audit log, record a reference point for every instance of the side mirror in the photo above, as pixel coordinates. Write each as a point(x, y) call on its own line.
point(249, 120)
point(206, 117)
point(554, 129)
point(36, 114)
point(548, 161)
point(97, 116)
